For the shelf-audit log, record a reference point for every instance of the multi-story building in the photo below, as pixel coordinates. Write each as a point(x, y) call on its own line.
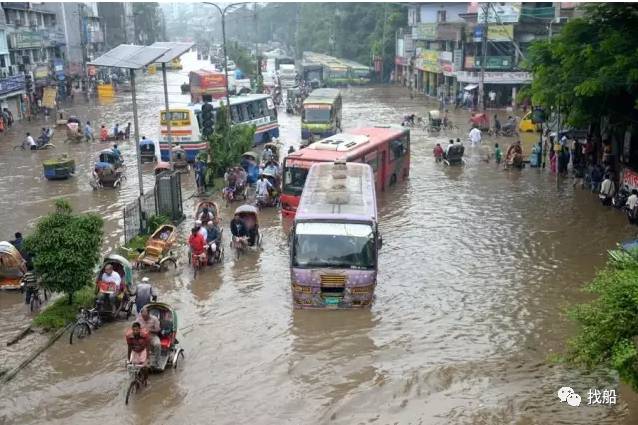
point(118, 22)
point(448, 43)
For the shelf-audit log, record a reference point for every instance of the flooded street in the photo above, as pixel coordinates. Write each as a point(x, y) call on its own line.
point(477, 267)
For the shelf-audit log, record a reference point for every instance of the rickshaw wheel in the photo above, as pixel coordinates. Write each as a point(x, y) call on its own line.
point(163, 266)
point(180, 353)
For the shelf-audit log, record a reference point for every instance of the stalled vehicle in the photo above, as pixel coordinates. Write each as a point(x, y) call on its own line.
point(335, 241)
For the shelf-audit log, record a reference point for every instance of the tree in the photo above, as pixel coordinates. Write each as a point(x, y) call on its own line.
point(66, 248)
point(608, 336)
point(591, 67)
point(226, 145)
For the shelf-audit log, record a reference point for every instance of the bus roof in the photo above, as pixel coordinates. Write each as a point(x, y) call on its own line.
point(347, 145)
point(322, 96)
point(338, 191)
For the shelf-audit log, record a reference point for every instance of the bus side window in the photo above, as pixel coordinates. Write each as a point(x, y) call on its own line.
point(263, 108)
point(398, 148)
point(373, 161)
point(234, 114)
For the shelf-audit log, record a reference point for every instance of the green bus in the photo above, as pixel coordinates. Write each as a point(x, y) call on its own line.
point(321, 115)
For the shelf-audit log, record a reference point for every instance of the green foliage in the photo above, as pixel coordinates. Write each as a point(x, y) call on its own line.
point(60, 312)
point(226, 145)
point(346, 30)
point(609, 325)
point(591, 67)
point(155, 221)
point(149, 23)
point(66, 248)
point(242, 59)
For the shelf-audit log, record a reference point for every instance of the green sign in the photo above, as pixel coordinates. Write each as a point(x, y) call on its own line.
point(495, 62)
point(26, 39)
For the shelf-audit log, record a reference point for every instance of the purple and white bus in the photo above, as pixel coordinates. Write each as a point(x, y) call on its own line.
point(335, 241)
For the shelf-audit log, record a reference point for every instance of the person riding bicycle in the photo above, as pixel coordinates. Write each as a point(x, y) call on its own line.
point(151, 324)
point(238, 230)
point(197, 243)
point(212, 239)
point(262, 189)
point(409, 119)
point(137, 340)
point(230, 177)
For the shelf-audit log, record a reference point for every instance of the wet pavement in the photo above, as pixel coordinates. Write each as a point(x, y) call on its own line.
point(477, 267)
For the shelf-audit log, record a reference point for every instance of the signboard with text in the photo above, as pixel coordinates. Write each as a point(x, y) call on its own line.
point(424, 31)
point(26, 40)
point(513, 77)
point(428, 61)
point(500, 32)
point(508, 13)
point(12, 84)
point(630, 178)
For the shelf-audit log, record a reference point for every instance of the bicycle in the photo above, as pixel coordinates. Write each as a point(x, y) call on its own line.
point(139, 378)
point(88, 320)
point(33, 297)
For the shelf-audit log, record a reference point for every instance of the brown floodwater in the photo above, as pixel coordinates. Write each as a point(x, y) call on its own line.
point(476, 271)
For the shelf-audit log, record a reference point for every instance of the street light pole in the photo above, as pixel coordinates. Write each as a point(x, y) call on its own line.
point(222, 12)
point(168, 118)
point(136, 130)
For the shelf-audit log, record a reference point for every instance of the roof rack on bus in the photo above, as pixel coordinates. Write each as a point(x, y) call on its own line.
point(341, 142)
point(338, 194)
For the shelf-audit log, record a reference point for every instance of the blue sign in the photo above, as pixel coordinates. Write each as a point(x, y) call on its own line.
point(478, 34)
point(58, 68)
point(12, 84)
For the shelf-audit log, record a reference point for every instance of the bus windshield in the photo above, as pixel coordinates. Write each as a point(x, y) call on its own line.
point(311, 115)
point(343, 245)
point(294, 180)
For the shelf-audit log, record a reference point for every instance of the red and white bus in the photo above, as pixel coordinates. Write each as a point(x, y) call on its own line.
point(385, 148)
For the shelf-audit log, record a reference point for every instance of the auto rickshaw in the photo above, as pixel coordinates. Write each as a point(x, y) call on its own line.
point(12, 266)
point(157, 252)
point(249, 214)
point(147, 151)
point(59, 168)
point(169, 353)
point(434, 122)
point(481, 121)
point(454, 155)
point(104, 290)
point(109, 169)
point(180, 161)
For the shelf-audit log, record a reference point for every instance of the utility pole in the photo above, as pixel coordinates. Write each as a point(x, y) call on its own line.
point(385, 18)
point(298, 54)
point(481, 100)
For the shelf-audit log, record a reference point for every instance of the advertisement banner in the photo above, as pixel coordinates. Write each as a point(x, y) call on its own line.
point(11, 84)
point(430, 61)
point(424, 31)
point(26, 40)
point(630, 178)
point(500, 32)
point(500, 13)
point(48, 97)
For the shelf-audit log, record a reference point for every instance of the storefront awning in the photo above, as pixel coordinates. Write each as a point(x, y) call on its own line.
point(470, 87)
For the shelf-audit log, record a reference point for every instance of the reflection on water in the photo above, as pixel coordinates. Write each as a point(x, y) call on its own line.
point(476, 268)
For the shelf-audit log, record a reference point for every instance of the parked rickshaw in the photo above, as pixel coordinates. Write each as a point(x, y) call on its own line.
point(481, 121)
point(12, 266)
point(105, 290)
point(147, 151)
point(169, 353)
point(213, 211)
point(180, 161)
point(73, 130)
point(109, 169)
point(434, 122)
point(162, 166)
point(157, 253)
point(59, 168)
point(249, 214)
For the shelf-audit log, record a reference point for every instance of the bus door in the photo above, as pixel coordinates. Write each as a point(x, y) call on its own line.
point(382, 170)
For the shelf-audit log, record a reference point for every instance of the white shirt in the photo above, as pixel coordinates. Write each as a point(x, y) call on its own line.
point(607, 188)
point(475, 135)
point(262, 187)
point(202, 231)
point(30, 141)
point(113, 278)
point(632, 201)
